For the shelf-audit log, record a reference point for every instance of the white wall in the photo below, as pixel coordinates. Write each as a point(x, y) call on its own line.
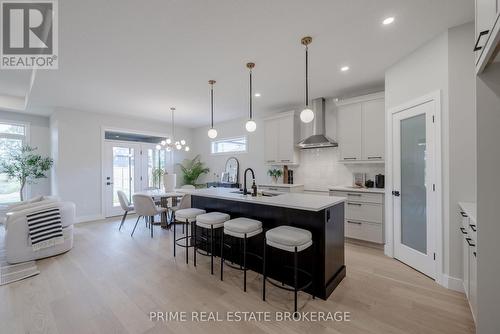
point(488, 183)
point(39, 137)
point(77, 156)
point(318, 168)
point(444, 64)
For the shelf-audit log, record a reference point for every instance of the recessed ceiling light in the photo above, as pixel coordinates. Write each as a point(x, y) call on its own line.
point(388, 20)
point(257, 94)
point(344, 68)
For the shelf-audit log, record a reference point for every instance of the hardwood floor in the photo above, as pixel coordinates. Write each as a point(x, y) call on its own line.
point(109, 282)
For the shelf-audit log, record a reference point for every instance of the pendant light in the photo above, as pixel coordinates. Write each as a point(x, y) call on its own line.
point(170, 143)
point(212, 133)
point(307, 115)
point(251, 126)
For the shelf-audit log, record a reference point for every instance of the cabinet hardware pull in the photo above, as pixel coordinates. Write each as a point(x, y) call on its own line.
point(350, 194)
point(473, 227)
point(285, 160)
point(350, 203)
point(350, 158)
point(374, 157)
point(463, 230)
point(353, 222)
point(481, 34)
point(469, 242)
point(463, 214)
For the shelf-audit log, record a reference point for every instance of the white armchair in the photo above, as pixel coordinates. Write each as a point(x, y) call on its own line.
point(17, 242)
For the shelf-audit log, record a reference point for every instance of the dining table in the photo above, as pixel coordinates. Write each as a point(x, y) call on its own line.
point(161, 197)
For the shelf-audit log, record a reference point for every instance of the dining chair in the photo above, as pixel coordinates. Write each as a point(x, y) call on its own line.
point(145, 207)
point(126, 206)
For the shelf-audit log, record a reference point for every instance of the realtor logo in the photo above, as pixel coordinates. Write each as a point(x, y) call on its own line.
point(29, 34)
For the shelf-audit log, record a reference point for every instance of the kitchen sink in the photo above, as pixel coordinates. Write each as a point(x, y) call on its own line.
point(265, 194)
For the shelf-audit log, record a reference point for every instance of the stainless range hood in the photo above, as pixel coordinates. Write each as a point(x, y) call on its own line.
point(318, 138)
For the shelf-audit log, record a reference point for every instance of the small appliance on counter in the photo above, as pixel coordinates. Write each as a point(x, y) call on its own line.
point(379, 181)
point(369, 184)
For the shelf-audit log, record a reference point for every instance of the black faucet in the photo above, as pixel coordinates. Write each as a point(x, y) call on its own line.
point(254, 187)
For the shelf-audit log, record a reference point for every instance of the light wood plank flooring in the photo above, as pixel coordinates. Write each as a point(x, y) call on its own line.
point(109, 282)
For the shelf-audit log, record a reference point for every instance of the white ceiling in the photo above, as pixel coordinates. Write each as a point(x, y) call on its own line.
point(141, 57)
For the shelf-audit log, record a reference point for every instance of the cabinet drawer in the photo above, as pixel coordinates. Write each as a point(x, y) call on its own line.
point(359, 196)
point(364, 231)
point(364, 211)
point(277, 188)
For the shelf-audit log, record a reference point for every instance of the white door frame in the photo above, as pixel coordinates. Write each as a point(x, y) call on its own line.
point(437, 212)
point(103, 155)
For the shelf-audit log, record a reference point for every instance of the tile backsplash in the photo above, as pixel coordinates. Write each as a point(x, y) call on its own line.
point(320, 168)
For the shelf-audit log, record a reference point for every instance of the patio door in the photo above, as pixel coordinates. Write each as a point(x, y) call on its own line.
point(414, 187)
point(131, 167)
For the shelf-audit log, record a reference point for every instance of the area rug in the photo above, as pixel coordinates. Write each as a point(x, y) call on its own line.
point(14, 272)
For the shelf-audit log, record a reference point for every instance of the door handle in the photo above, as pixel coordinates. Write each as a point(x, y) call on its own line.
point(396, 193)
point(109, 183)
point(481, 34)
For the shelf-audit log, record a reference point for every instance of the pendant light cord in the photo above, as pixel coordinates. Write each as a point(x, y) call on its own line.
point(307, 77)
point(250, 93)
point(212, 105)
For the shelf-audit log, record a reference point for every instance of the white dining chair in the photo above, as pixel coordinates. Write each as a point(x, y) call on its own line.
point(145, 207)
point(126, 206)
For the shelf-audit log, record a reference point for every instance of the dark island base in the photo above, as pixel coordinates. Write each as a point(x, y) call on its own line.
point(324, 259)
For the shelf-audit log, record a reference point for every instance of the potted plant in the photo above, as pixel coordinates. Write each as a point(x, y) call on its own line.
point(192, 169)
point(275, 174)
point(25, 166)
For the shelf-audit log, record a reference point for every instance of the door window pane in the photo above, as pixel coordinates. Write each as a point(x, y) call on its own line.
point(157, 164)
point(123, 172)
point(413, 190)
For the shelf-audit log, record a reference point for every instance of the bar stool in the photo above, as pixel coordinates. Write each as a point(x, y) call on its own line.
point(241, 228)
point(186, 216)
point(209, 221)
point(289, 239)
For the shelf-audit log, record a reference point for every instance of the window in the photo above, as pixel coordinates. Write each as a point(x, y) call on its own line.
point(229, 145)
point(13, 136)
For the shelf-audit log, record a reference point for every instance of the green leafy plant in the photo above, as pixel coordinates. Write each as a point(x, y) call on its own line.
point(275, 172)
point(25, 166)
point(157, 176)
point(192, 169)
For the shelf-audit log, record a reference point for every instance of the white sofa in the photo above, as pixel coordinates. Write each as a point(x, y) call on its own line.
point(17, 244)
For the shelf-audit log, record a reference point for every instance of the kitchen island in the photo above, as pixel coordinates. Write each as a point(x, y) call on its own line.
point(322, 215)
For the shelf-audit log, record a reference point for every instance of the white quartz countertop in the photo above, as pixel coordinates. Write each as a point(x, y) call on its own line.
point(300, 201)
point(281, 185)
point(354, 189)
point(470, 210)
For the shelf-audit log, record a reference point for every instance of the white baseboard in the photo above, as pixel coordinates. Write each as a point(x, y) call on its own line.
point(453, 283)
point(88, 218)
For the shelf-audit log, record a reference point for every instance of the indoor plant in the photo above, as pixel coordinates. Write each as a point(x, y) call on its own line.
point(25, 166)
point(192, 169)
point(275, 174)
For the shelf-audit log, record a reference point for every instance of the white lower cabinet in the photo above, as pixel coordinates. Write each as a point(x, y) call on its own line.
point(364, 215)
point(469, 258)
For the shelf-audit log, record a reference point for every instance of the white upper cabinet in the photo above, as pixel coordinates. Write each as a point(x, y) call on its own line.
point(281, 134)
point(373, 130)
point(361, 128)
point(349, 132)
point(487, 31)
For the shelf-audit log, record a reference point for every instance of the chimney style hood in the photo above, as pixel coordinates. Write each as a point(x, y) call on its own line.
point(318, 138)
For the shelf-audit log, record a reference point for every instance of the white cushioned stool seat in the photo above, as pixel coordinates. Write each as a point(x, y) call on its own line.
point(289, 237)
point(189, 214)
point(238, 227)
point(215, 219)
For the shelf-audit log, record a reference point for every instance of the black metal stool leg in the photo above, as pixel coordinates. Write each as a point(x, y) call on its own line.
point(295, 280)
point(195, 246)
point(264, 271)
point(211, 249)
point(187, 241)
point(245, 263)
point(222, 255)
